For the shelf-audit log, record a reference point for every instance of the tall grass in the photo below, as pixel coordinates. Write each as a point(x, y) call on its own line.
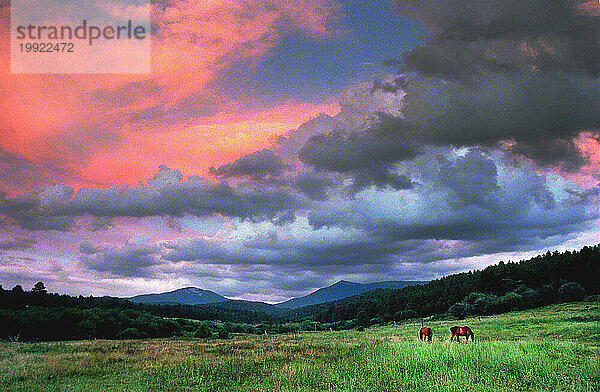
point(549, 349)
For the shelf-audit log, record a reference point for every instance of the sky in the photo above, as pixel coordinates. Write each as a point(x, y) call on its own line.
point(280, 146)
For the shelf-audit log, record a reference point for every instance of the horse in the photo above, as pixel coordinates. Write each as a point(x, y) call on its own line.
point(462, 331)
point(426, 333)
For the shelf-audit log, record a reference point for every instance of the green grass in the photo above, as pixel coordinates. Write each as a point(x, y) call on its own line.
point(548, 349)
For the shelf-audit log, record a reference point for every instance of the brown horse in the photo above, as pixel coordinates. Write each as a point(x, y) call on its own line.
point(462, 331)
point(426, 333)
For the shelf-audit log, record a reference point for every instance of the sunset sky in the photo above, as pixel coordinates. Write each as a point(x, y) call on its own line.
point(280, 146)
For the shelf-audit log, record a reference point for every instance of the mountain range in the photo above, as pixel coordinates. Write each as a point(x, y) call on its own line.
point(339, 290)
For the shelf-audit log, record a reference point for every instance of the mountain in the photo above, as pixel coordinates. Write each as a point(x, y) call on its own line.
point(340, 290)
point(186, 296)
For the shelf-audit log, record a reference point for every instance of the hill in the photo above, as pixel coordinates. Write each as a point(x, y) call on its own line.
point(341, 290)
point(185, 296)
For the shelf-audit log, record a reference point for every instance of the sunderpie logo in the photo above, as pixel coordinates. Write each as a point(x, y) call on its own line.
point(80, 37)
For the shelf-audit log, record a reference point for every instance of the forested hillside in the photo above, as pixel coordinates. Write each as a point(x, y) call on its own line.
point(495, 289)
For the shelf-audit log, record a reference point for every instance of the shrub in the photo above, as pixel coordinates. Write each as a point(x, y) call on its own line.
point(571, 291)
point(376, 321)
point(363, 318)
point(132, 333)
point(546, 294)
point(458, 310)
point(203, 331)
point(510, 301)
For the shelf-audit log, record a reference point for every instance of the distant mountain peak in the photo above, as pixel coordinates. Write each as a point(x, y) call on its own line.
point(341, 290)
point(345, 283)
point(185, 295)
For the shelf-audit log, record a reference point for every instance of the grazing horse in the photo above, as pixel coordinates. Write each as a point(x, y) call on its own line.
point(462, 331)
point(426, 333)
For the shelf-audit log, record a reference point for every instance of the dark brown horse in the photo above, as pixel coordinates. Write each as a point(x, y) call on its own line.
point(462, 331)
point(426, 333)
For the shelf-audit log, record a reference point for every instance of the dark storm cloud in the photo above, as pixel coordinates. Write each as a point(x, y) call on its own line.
point(562, 151)
point(506, 70)
point(132, 260)
point(510, 34)
point(461, 199)
point(473, 180)
point(387, 141)
point(461, 206)
point(367, 155)
point(528, 107)
point(28, 212)
point(313, 185)
point(165, 194)
point(255, 165)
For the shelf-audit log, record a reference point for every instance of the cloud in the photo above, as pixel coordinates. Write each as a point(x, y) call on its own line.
point(132, 260)
point(314, 185)
point(473, 198)
point(18, 244)
point(539, 113)
point(507, 34)
point(367, 155)
point(470, 198)
point(256, 165)
point(166, 194)
point(523, 72)
point(18, 174)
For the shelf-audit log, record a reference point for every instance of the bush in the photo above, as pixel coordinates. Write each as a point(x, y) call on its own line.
point(223, 334)
point(510, 301)
point(132, 333)
point(377, 321)
point(529, 295)
point(571, 291)
point(546, 294)
point(458, 310)
point(203, 331)
point(409, 314)
point(363, 318)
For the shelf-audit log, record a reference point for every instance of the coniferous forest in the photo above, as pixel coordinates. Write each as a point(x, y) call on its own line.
point(36, 315)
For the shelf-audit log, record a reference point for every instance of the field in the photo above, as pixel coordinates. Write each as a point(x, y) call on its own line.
point(547, 349)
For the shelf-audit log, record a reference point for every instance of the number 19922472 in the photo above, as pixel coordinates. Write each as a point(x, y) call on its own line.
point(43, 47)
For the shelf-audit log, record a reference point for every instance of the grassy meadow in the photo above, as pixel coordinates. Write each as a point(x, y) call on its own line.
point(554, 348)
